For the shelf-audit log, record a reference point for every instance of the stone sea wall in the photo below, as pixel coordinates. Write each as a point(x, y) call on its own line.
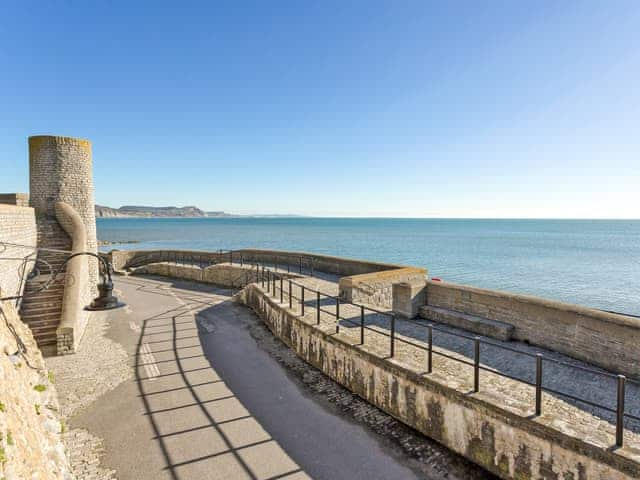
point(505, 443)
point(580, 332)
point(123, 259)
point(30, 429)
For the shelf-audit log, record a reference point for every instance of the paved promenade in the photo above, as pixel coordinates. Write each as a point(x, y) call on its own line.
point(205, 399)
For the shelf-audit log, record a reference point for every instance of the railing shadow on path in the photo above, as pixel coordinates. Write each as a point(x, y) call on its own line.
point(194, 417)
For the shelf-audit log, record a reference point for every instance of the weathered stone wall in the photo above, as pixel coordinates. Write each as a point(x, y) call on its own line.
point(377, 288)
point(17, 225)
point(508, 444)
point(61, 170)
point(609, 340)
point(30, 441)
point(17, 199)
point(223, 275)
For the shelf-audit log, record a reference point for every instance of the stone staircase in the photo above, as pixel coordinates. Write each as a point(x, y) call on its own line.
point(41, 309)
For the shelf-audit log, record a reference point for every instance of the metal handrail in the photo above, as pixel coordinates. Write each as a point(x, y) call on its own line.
point(478, 342)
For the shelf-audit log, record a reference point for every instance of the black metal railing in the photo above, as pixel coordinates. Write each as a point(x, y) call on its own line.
point(274, 284)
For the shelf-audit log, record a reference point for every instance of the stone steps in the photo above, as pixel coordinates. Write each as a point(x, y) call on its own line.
point(41, 309)
point(480, 325)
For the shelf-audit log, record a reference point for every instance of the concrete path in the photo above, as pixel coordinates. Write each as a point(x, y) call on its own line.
point(206, 403)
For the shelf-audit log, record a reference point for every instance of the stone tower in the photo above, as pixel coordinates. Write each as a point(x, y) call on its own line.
point(60, 169)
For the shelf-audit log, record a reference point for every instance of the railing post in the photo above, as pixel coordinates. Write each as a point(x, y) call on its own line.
point(538, 384)
point(302, 301)
point(241, 260)
point(361, 324)
point(476, 364)
point(337, 314)
point(268, 281)
point(230, 257)
point(312, 267)
point(300, 259)
point(273, 287)
point(429, 348)
point(290, 296)
point(620, 411)
point(281, 291)
point(288, 265)
point(392, 349)
point(317, 308)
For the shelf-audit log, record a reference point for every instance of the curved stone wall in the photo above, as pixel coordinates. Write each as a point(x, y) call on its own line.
point(77, 292)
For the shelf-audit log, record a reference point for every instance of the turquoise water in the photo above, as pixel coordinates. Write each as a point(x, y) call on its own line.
point(588, 262)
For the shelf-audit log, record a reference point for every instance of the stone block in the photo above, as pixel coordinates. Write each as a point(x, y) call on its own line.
point(408, 297)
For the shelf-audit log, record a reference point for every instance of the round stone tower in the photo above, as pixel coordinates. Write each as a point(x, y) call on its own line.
point(60, 169)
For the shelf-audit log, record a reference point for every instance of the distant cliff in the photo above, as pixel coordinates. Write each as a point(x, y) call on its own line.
point(143, 211)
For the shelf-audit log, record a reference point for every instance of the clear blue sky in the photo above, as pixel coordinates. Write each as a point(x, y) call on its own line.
point(367, 108)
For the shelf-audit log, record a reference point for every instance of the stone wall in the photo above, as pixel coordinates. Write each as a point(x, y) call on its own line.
point(377, 288)
point(609, 340)
point(17, 199)
point(222, 275)
point(61, 170)
point(77, 290)
point(511, 445)
point(17, 225)
point(309, 262)
point(30, 441)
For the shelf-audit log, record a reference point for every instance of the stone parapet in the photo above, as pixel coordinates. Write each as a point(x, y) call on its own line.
point(295, 261)
point(580, 332)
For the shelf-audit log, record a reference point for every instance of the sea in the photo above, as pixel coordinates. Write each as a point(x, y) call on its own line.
point(595, 263)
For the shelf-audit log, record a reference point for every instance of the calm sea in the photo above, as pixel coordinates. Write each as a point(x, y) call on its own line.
point(588, 262)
